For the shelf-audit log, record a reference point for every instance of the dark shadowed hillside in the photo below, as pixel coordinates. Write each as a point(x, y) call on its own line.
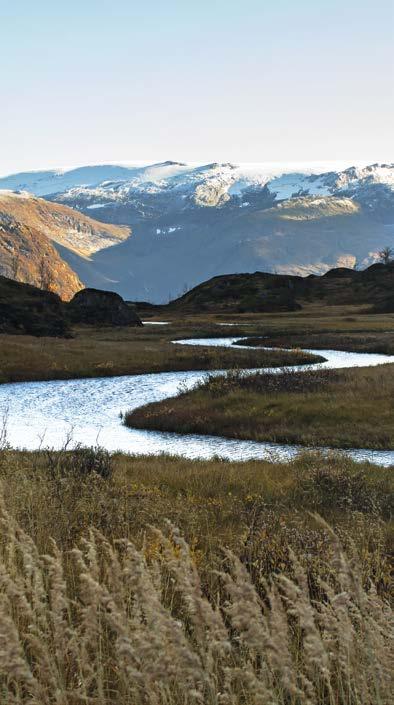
point(28, 310)
point(263, 292)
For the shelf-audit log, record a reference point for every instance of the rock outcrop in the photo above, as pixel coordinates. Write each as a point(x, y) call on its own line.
point(101, 308)
point(27, 310)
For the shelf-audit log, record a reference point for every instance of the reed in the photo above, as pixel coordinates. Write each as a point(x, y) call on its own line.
point(111, 624)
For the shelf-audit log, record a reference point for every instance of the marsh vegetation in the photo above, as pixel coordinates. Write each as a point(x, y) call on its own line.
point(349, 408)
point(127, 351)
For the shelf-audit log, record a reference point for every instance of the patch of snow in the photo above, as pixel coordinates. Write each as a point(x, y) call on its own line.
point(289, 185)
point(15, 194)
point(97, 205)
point(165, 231)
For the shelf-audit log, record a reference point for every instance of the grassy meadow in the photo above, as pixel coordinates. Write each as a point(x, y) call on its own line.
point(105, 352)
point(126, 351)
point(338, 408)
point(140, 580)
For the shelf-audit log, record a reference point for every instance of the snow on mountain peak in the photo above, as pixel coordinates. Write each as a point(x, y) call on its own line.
point(192, 221)
point(207, 184)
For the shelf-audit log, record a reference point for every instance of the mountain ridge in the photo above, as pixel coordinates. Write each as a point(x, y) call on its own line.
point(63, 224)
point(192, 222)
point(283, 180)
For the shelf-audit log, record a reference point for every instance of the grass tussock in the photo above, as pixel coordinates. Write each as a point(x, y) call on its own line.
point(341, 409)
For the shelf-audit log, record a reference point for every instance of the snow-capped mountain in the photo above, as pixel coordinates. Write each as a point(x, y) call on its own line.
point(191, 222)
point(210, 185)
point(43, 183)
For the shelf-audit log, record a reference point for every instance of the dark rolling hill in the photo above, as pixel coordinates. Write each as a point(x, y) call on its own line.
point(264, 292)
point(25, 309)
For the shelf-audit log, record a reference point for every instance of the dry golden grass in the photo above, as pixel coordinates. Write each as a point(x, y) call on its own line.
point(125, 351)
point(251, 602)
point(116, 625)
point(259, 603)
point(215, 502)
point(342, 409)
point(108, 352)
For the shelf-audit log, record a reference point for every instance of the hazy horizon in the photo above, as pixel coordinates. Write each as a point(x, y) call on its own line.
point(316, 166)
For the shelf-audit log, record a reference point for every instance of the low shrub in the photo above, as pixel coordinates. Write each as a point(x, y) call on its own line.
point(284, 380)
point(81, 462)
point(86, 461)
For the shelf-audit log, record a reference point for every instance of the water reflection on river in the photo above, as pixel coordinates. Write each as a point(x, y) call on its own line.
point(46, 413)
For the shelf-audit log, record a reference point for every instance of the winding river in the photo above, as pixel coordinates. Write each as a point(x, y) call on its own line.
point(45, 414)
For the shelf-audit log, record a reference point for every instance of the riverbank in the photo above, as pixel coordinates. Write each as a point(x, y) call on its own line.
point(100, 352)
point(381, 343)
point(107, 352)
point(350, 408)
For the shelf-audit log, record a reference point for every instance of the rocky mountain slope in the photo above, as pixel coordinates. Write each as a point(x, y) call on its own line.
point(26, 255)
point(193, 222)
point(62, 224)
point(40, 242)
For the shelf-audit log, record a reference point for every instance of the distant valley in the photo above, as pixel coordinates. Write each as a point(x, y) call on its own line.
point(184, 224)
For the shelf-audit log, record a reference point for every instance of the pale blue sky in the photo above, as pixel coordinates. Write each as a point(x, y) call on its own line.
point(89, 81)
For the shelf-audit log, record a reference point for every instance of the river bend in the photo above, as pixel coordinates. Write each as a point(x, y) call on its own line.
point(44, 414)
